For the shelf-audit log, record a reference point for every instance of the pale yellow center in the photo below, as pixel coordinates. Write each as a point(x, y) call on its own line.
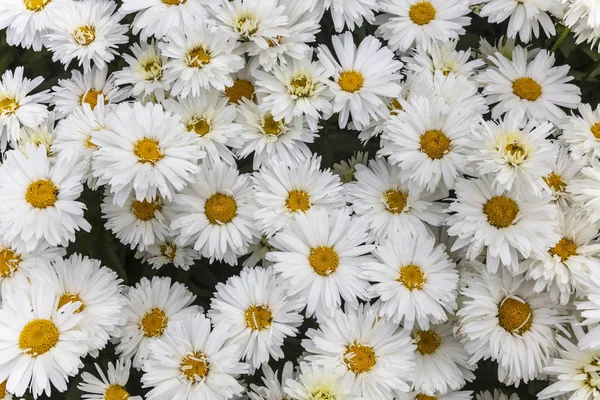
point(422, 13)
point(258, 317)
point(351, 81)
point(42, 194)
point(85, 35)
point(38, 337)
point(301, 86)
point(514, 315)
point(154, 323)
point(153, 69)
point(220, 209)
point(8, 106)
point(527, 89)
point(35, 5)
point(412, 277)
point(324, 260)
point(501, 211)
point(359, 358)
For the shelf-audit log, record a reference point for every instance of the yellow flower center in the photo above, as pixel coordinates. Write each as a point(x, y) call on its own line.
point(395, 107)
point(258, 317)
point(71, 298)
point(88, 142)
point(427, 342)
point(153, 69)
point(84, 35)
point(116, 392)
point(555, 182)
point(298, 200)
point(247, 25)
point(8, 106)
point(144, 210)
point(195, 366)
point(320, 394)
point(270, 126)
point(168, 250)
point(359, 358)
point(38, 337)
point(9, 263)
point(323, 260)
point(35, 5)
point(395, 201)
point(301, 86)
point(351, 81)
point(515, 153)
point(565, 248)
point(595, 128)
point(514, 315)
point(412, 277)
point(422, 396)
point(199, 125)
point(220, 209)
point(435, 144)
point(42, 194)
point(173, 2)
point(501, 211)
point(241, 89)
point(154, 323)
point(274, 41)
point(198, 57)
point(147, 151)
point(527, 89)
point(91, 97)
point(422, 13)
point(3, 389)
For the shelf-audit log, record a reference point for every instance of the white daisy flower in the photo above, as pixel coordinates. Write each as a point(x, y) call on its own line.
point(350, 13)
point(408, 22)
point(42, 135)
point(563, 172)
point(287, 191)
point(151, 307)
point(17, 107)
point(320, 257)
point(215, 213)
point(110, 386)
point(585, 191)
point(585, 33)
point(200, 58)
point(211, 119)
point(144, 150)
point(486, 217)
point(582, 134)
point(362, 79)
point(259, 314)
point(87, 88)
point(443, 57)
point(193, 362)
point(165, 252)
point(452, 395)
point(375, 353)
point(429, 141)
point(272, 140)
point(502, 318)
point(319, 382)
point(242, 87)
point(87, 30)
point(496, 395)
point(532, 89)
point(273, 388)
point(415, 280)
point(296, 88)
point(40, 347)
point(38, 200)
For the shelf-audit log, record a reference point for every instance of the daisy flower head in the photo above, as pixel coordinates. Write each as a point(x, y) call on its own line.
point(429, 141)
point(42, 346)
point(286, 191)
point(165, 252)
point(93, 87)
point(273, 388)
point(565, 169)
point(506, 226)
point(211, 120)
point(582, 134)
point(320, 256)
point(375, 353)
point(42, 135)
point(215, 213)
point(502, 317)
point(193, 362)
point(408, 22)
point(584, 190)
point(363, 79)
point(152, 305)
point(350, 13)
point(532, 89)
point(200, 58)
point(415, 280)
point(242, 88)
point(319, 382)
point(19, 108)
point(144, 150)
point(443, 57)
point(89, 31)
point(39, 200)
point(111, 385)
point(272, 140)
point(258, 312)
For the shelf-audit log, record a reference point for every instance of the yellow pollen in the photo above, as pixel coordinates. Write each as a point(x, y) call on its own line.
point(147, 151)
point(516, 150)
point(88, 142)
point(527, 89)
point(501, 211)
point(247, 26)
point(274, 41)
point(298, 200)
point(220, 209)
point(595, 128)
point(301, 86)
point(422, 13)
point(9, 263)
point(565, 248)
point(395, 201)
point(199, 125)
point(153, 69)
point(323, 260)
point(38, 337)
point(395, 107)
point(35, 5)
point(3, 389)
point(320, 394)
point(198, 57)
point(91, 97)
point(435, 144)
point(173, 2)
point(42, 194)
point(116, 392)
point(8, 106)
point(555, 182)
point(351, 81)
point(168, 250)
point(427, 342)
point(258, 317)
point(514, 315)
point(145, 210)
point(270, 126)
point(422, 396)
point(412, 277)
point(359, 358)
point(241, 89)
point(85, 35)
point(195, 366)
point(71, 298)
point(154, 323)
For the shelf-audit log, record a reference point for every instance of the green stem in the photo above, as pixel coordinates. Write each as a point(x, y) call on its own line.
point(560, 39)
